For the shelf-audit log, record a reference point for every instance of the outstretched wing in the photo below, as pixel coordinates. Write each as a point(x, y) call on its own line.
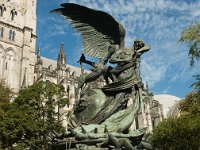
point(99, 30)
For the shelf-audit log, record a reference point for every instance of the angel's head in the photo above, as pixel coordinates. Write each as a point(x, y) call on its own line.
point(138, 43)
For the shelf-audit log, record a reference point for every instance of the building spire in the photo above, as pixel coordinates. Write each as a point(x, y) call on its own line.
point(147, 86)
point(38, 64)
point(38, 52)
point(24, 81)
point(61, 57)
point(62, 47)
point(39, 60)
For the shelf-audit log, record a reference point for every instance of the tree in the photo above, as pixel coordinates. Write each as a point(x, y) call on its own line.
point(191, 104)
point(181, 133)
point(5, 95)
point(5, 92)
point(31, 118)
point(196, 84)
point(177, 134)
point(191, 36)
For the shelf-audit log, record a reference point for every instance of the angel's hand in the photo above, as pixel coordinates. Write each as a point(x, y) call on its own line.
point(82, 59)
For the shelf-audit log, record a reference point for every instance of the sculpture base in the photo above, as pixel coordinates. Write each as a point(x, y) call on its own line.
point(91, 148)
point(79, 147)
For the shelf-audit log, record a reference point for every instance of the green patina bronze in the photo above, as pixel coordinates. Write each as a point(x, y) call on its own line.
point(101, 118)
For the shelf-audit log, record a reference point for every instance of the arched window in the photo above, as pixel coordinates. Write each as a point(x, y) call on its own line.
point(6, 66)
point(1, 31)
point(13, 35)
point(74, 74)
point(9, 68)
point(10, 34)
point(2, 53)
point(67, 73)
point(2, 9)
point(68, 90)
point(13, 14)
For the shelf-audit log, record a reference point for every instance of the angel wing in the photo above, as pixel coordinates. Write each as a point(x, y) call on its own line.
point(99, 30)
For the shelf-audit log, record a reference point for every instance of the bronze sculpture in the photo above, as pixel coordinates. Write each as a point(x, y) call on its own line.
point(102, 117)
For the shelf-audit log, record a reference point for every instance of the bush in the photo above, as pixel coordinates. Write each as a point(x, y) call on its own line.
point(181, 133)
point(177, 134)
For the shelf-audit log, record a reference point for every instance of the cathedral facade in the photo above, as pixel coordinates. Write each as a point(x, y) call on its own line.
point(17, 41)
point(58, 72)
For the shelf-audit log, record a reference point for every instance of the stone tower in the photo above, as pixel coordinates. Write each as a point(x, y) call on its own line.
point(61, 65)
point(38, 66)
point(17, 41)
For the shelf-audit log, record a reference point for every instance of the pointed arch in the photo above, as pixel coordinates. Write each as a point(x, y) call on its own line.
point(10, 53)
point(9, 66)
point(2, 60)
point(1, 31)
point(68, 91)
point(49, 80)
point(74, 74)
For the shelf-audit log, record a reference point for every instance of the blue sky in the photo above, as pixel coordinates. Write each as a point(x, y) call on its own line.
point(158, 22)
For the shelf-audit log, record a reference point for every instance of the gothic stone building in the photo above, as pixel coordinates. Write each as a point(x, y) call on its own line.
point(17, 41)
point(58, 72)
point(21, 67)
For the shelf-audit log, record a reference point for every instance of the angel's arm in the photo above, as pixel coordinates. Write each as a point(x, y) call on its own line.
point(144, 49)
point(112, 49)
point(120, 69)
point(84, 60)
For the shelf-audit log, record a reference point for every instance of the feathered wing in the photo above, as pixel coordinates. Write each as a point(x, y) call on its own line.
point(99, 30)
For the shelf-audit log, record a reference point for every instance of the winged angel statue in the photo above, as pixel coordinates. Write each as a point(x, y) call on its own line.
point(102, 117)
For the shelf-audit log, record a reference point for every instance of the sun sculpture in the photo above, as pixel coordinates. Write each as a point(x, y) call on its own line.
point(101, 118)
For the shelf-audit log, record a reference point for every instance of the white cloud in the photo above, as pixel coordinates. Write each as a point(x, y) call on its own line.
point(58, 26)
point(56, 30)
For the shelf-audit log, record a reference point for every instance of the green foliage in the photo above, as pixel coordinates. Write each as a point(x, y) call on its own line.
point(191, 36)
point(30, 119)
point(5, 92)
point(191, 104)
point(177, 134)
point(181, 133)
point(196, 84)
